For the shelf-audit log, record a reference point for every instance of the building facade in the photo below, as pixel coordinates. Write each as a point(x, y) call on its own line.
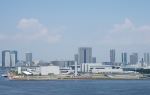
point(9, 58)
point(147, 59)
point(84, 55)
point(46, 70)
point(61, 64)
point(112, 56)
point(124, 58)
point(134, 58)
point(28, 59)
point(13, 57)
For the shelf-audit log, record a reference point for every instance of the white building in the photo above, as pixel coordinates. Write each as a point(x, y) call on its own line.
point(42, 70)
point(45, 70)
point(99, 68)
point(66, 71)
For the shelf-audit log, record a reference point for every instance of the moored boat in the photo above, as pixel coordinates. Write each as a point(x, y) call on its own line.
point(4, 75)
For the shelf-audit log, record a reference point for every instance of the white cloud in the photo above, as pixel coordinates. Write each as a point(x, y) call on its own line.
point(127, 33)
point(31, 30)
point(29, 24)
point(127, 25)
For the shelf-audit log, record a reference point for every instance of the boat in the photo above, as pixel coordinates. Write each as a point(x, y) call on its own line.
point(4, 75)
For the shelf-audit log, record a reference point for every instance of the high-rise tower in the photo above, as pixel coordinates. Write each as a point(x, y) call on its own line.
point(84, 55)
point(146, 58)
point(28, 58)
point(124, 58)
point(9, 58)
point(112, 56)
point(134, 58)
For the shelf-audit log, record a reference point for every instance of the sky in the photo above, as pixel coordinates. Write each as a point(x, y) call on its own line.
point(54, 29)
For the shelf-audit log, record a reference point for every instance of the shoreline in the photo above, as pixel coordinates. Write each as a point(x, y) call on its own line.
point(100, 76)
point(43, 78)
point(70, 79)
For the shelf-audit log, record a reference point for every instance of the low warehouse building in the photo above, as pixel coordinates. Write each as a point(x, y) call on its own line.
point(46, 70)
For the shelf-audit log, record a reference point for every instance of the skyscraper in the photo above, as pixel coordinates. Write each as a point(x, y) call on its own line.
point(84, 55)
point(146, 58)
point(124, 58)
point(13, 58)
point(4, 57)
point(134, 58)
point(9, 58)
point(112, 56)
point(28, 59)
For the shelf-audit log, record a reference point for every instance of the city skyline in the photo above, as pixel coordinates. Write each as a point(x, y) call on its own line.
point(84, 55)
point(55, 29)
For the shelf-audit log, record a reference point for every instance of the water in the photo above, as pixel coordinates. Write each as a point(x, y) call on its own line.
point(75, 87)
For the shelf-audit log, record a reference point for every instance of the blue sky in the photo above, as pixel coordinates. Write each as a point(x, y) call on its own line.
point(54, 29)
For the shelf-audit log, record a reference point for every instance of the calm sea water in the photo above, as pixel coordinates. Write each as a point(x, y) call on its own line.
point(75, 87)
